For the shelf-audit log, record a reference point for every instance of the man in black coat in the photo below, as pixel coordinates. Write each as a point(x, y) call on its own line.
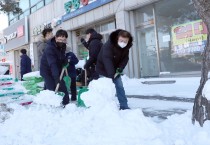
point(25, 63)
point(113, 58)
point(73, 60)
point(94, 45)
point(52, 62)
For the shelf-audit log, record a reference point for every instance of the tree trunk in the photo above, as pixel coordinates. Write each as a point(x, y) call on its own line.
point(203, 9)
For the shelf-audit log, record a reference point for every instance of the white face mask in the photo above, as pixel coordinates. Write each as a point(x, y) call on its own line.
point(122, 44)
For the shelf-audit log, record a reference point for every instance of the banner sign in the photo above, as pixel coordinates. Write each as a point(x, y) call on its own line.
point(189, 38)
point(74, 8)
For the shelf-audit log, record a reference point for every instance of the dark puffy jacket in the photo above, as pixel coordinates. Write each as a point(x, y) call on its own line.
point(112, 56)
point(94, 47)
point(25, 64)
point(73, 61)
point(52, 60)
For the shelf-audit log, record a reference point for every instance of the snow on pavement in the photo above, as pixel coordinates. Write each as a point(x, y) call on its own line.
point(101, 124)
point(183, 87)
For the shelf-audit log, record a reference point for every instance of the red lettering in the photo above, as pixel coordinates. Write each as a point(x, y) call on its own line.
point(84, 2)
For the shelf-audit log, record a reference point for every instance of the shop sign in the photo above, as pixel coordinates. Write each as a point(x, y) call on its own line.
point(20, 31)
point(11, 36)
point(189, 38)
point(17, 34)
point(74, 8)
point(54, 23)
point(38, 29)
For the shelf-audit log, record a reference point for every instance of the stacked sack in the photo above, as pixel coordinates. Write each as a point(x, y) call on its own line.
point(33, 82)
point(7, 90)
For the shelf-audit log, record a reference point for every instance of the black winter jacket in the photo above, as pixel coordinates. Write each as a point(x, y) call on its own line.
point(94, 47)
point(73, 61)
point(52, 60)
point(112, 56)
point(25, 64)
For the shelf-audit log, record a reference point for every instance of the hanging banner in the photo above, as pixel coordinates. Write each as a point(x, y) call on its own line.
point(189, 38)
point(74, 8)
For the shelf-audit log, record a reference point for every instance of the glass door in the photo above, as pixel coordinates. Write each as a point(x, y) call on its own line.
point(146, 39)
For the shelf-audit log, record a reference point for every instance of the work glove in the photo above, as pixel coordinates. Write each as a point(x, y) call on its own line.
point(118, 73)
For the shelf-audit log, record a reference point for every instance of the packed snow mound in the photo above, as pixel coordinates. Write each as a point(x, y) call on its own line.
point(101, 94)
point(206, 90)
point(3, 70)
point(48, 98)
point(32, 74)
point(101, 124)
point(179, 130)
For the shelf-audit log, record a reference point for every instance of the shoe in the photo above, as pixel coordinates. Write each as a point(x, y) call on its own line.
point(124, 108)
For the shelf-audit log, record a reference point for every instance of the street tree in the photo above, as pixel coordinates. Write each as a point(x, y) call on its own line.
point(201, 108)
point(8, 6)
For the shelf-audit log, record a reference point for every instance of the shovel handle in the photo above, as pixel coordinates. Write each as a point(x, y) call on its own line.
point(61, 76)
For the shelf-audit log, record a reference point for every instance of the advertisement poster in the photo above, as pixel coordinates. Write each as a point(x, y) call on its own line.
point(189, 38)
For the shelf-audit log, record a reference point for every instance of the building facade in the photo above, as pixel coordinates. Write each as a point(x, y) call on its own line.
point(169, 36)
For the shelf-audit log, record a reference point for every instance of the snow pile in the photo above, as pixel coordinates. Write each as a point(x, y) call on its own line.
point(99, 97)
point(48, 98)
point(4, 112)
point(3, 70)
point(206, 90)
point(32, 74)
point(179, 130)
point(101, 124)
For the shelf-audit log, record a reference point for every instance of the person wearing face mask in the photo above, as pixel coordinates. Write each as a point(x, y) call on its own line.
point(52, 62)
point(113, 58)
point(42, 43)
point(93, 43)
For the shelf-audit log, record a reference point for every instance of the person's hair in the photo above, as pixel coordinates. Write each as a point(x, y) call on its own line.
point(61, 33)
point(124, 34)
point(23, 51)
point(90, 30)
point(45, 31)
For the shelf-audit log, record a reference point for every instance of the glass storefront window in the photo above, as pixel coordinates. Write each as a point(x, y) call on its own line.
point(40, 5)
point(33, 2)
point(24, 5)
point(33, 9)
point(170, 37)
point(48, 1)
point(181, 36)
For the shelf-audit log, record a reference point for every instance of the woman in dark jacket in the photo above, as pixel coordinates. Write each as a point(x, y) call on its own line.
point(113, 58)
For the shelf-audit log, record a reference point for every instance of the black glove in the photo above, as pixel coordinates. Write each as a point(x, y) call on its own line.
point(82, 40)
point(65, 62)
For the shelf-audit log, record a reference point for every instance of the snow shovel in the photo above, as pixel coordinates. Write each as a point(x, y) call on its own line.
point(80, 102)
point(66, 79)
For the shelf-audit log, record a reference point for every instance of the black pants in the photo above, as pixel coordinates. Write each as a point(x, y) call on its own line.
point(73, 89)
point(50, 85)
